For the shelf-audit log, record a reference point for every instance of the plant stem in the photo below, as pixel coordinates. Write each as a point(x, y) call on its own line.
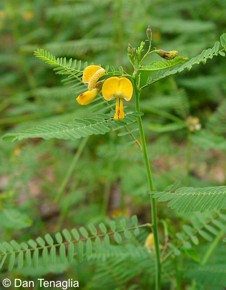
point(119, 30)
point(107, 189)
point(188, 161)
point(150, 185)
point(212, 247)
point(70, 169)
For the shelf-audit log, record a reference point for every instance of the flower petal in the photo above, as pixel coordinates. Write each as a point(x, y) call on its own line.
point(87, 97)
point(119, 110)
point(93, 81)
point(89, 71)
point(126, 88)
point(110, 87)
point(115, 87)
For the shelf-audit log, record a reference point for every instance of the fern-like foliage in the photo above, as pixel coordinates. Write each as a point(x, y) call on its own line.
point(203, 57)
point(210, 276)
point(101, 124)
point(80, 243)
point(217, 122)
point(115, 273)
point(70, 67)
point(208, 140)
point(189, 199)
point(163, 64)
point(202, 225)
point(61, 64)
point(113, 71)
point(79, 46)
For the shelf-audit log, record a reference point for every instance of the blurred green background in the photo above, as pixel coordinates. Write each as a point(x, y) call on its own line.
point(48, 185)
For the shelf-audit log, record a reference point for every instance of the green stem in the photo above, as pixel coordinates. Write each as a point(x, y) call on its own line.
point(166, 238)
point(119, 30)
point(212, 247)
point(150, 185)
point(107, 188)
point(71, 169)
point(107, 192)
point(188, 161)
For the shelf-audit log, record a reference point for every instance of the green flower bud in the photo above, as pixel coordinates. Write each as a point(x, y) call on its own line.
point(130, 49)
point(131, 53)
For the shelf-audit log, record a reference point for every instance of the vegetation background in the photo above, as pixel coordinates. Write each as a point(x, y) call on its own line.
point(46, 186)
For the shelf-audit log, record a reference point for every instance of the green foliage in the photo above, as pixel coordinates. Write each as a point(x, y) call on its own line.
point(61, 65)
point(210, 276)
point(13, 219)
point(203, 226)
point(217, 121)
point(203, 57)
point(117, 272)
point(70, 131)
point(76, 184)
point(189, 199)
point(79, 244)
point(164, 64)
point(208, 140)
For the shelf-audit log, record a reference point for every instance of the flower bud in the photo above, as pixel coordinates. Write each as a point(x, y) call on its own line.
point(167, 54)
point(131, 53)
point(193, 124)
point(150, 243)
point(149, 33)
point(130, 49)
point(93, 80)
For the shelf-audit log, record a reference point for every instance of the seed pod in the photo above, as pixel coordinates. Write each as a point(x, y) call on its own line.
point(167, 54)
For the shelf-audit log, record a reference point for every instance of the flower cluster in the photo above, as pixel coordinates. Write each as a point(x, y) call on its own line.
point(118, 88)
point(91, 75)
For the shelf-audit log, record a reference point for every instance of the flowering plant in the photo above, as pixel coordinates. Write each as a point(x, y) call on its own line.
point(95, 86)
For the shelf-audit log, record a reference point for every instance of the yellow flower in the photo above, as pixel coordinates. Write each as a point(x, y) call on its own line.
point(119, 213)
point(2, 14)
point(28, 15)
point(91, 75)
point(150, 243)
point(119, 89)
point(87, 97)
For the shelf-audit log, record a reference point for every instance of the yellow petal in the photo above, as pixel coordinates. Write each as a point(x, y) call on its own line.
point(109, 88)
point(119, 110)
point(115, 87)
point(126, 88)
point(89, 71)
point(93, 81)
point(150, 243)
point(87, 97)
